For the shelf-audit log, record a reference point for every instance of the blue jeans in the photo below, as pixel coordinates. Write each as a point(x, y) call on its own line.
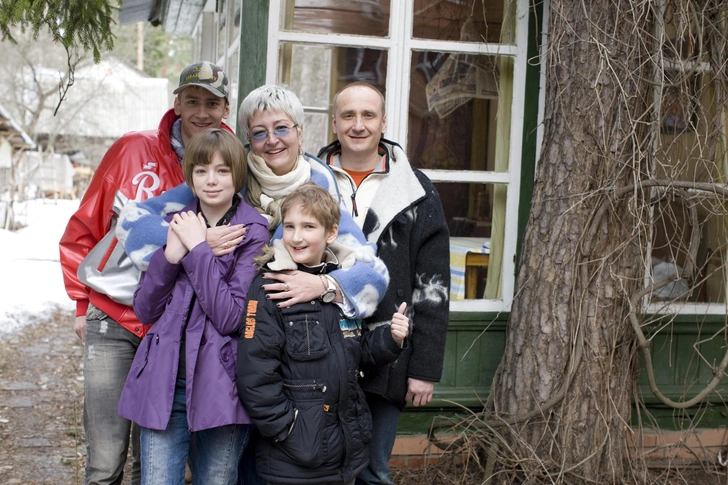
point(213, 458)
point(108, 353)
point(247, 473)
point(384, 432)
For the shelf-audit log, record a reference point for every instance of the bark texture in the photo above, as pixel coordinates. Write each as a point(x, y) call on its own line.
point(569, 358)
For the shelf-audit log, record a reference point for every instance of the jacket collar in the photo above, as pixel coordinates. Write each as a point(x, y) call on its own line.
point(244, 214)
point(282, 261)
point(400, 189)
point(329, 154)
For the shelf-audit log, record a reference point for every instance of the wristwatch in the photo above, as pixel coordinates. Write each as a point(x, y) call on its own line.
point(330, 292)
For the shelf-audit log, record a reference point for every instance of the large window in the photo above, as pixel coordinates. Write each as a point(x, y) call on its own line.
point(689, 225)
point(453, 75)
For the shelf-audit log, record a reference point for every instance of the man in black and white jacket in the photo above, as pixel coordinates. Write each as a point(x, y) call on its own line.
point(399, 209)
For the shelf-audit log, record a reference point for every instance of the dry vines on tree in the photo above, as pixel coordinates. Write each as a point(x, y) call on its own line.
point(629, 218)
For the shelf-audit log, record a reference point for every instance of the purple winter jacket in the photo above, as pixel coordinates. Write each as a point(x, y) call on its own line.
point(210, 291)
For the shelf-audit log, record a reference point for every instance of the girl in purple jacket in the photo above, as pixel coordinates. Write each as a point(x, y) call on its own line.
point(181, 386)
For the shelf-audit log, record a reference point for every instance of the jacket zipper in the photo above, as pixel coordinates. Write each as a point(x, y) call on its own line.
point(314, 387)
point(354, 189)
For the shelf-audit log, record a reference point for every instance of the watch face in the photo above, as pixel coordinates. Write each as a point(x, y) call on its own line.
point(329, 296)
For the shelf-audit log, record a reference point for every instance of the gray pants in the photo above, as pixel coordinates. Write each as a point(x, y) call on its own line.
point(108, 353)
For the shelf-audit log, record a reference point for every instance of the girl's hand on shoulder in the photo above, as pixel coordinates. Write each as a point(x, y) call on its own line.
point(400, 324)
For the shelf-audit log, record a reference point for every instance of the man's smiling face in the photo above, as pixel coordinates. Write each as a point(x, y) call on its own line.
point(359, 122)
point(199, 110)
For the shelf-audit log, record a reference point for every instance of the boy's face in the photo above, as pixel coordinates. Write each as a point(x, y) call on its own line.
point(304, 237)
point(214, 185)
point(199, 110)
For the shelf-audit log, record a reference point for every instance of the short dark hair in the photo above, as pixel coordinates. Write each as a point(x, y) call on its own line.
point(203, 146)
point(314, 201)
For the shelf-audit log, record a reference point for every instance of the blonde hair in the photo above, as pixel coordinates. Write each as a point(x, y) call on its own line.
point(315, 201)
point(269, 98)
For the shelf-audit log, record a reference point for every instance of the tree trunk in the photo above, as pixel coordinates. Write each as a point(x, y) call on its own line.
point(569, 358)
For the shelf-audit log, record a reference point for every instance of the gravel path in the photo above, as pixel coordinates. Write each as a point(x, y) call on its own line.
point(41, 403)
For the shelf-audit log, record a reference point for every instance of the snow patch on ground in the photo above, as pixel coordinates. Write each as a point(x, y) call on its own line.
point(32, 283)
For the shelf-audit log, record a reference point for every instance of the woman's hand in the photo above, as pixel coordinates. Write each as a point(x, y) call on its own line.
point(190, 228)
point(400, 325)
point(224, 239)
point(294, 287)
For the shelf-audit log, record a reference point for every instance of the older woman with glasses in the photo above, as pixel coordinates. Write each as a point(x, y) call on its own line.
point(271, 118)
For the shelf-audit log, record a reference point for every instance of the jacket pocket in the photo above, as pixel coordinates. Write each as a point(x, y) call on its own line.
point(306, 337)
point(306, 443)
point(142, 356)
point(363, 416)
point(228, 355)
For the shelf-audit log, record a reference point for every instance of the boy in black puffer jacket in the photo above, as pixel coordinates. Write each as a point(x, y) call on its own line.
point(298, 368)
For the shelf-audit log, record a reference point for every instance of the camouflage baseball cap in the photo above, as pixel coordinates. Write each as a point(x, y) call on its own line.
point(205, 75)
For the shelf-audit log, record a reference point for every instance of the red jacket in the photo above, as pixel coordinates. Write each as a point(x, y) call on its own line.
point(138, 166)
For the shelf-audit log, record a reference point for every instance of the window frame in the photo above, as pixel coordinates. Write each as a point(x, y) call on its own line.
point(400, 44)
point(679, 308)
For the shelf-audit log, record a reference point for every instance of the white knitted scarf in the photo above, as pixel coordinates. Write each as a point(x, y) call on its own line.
point(267, 190)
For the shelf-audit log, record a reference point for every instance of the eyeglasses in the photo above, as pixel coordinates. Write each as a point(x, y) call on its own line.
point(278, 131)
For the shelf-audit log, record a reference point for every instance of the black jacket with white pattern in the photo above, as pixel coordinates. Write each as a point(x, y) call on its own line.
point(408, 225)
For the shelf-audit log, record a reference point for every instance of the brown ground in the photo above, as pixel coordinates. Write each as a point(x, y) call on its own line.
point(41, 402)
point(41, 396)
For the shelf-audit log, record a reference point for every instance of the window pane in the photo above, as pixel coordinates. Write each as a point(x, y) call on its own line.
point(364, 17)
point(232, 68)
point(316, 134)
point(307, 75)
point(306, 78)
point(672, 231)
point(235, 32)
point(468, 208)
point(683, 38)
point(690, 150)
point(475, 246)
point(222, 29)
point(454, 103)
point(466, 21)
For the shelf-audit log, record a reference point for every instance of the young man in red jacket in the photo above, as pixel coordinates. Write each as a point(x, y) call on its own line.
point(101, 278)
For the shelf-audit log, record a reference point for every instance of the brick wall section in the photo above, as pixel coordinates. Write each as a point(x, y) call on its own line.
point(657, 447)
point(684, 446)
point(414, 451)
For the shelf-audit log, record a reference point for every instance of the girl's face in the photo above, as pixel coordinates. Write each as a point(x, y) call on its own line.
point(280, 151)
point(214, 185)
